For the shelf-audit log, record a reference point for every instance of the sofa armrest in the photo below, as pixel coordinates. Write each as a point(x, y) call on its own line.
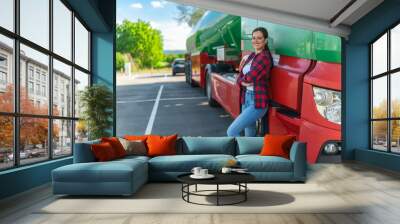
point(299, 159)
point(83, 153)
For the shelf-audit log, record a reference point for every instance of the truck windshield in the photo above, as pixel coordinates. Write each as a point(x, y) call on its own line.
point(179, 62)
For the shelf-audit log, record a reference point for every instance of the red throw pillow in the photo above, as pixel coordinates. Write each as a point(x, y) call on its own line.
point(116, 145)
point(161, 145)
point(277, 145)
point(103, 152)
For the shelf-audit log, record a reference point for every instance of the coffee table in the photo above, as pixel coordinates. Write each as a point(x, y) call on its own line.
point(238, 179)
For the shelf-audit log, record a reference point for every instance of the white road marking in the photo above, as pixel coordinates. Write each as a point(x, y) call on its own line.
point(154, 112)
point(165, 99)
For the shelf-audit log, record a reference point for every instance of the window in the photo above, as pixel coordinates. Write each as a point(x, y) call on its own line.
point(33, 148)
point(30, 88)
point(395, 47)
point(7, 14)
point(3, 61)
point(45, 131)
point(3, 72)
point(81, 81)
point(62, 29)
point(38, 89)
point(81, 45)
point(6, 73)
point(385, 96)
point(62, 74)
point(43, 90)
point(7, 142)
point(37, 74)
point(30, 73)
point(3, 81)
point(62, 137)
point(3, 77)
point(55, 102)
point(35, 21)
point(40, 62)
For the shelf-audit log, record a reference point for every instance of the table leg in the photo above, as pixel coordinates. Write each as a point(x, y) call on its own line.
point(182, 189)
point(245, 193)
point(217, 194)
point(188, 190)
point(196, 188)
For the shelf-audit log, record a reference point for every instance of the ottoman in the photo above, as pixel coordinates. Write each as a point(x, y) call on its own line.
point(119, 177)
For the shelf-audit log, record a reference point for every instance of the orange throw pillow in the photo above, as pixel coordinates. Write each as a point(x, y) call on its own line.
point(103, 152)
point(136, 137)
point(277, 145)
point(161, 145)
point(116, 145)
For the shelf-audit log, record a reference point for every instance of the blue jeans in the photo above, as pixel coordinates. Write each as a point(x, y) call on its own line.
point(247, 118)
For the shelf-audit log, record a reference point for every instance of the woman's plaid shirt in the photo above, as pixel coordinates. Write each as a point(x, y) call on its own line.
point(259, 75)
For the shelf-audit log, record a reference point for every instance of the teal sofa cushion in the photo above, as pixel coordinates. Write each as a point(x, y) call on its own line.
point(257, 163)
point(130, 158)
point(83, 152)
point(185, 163)
point(249, 145)
point(207, 145)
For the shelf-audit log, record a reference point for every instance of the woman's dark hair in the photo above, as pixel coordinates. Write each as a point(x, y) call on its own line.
point(262, 30)
point(265, 34)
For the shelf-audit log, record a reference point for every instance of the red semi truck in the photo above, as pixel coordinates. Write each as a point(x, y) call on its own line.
point(305, 79)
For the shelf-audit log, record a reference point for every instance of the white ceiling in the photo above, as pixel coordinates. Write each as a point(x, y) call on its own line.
point(328, 16)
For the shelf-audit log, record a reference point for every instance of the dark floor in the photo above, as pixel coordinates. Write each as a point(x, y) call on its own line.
point(181, 109)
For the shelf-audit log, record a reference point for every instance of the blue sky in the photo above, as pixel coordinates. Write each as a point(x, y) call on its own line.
point(161, 15)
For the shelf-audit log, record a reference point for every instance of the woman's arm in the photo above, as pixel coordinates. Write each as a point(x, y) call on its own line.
point(242, 62)
point(259, 69)
point(239, 79)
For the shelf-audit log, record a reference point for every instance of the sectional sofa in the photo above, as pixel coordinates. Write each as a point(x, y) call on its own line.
point(125, 176)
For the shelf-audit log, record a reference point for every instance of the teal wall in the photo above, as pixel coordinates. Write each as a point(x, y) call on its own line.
point(100, 17)
point(24, 178)
point(356, 92)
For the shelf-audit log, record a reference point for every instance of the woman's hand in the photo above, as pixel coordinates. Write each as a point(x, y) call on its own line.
point(246, 84)
point(244, 58)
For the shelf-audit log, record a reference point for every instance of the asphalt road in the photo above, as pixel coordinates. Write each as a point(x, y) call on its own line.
point(164, 105)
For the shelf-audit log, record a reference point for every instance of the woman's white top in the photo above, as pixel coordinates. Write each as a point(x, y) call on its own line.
point(246, 70)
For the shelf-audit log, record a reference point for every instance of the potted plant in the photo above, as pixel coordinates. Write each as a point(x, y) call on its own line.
point(96, 102)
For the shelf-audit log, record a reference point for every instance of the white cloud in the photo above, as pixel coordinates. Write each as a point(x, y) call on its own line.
point(158, 4)
point(136, 6)
point(174, 34)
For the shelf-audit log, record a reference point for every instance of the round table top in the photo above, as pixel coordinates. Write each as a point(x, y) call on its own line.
point(220, 178)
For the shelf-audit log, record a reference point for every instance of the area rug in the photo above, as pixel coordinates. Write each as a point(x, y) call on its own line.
point(167, 198)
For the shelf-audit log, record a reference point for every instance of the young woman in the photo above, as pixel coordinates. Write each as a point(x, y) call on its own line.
point(253, 80)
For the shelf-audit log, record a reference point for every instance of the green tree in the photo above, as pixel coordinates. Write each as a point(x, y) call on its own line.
point(189, 15)
point(97, 105)
point(120, 62)
point(169, 58)
point(141, 41)
point(380, 128)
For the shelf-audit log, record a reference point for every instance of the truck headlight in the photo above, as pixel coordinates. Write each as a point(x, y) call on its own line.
point(329, 104)
point(332, 148)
